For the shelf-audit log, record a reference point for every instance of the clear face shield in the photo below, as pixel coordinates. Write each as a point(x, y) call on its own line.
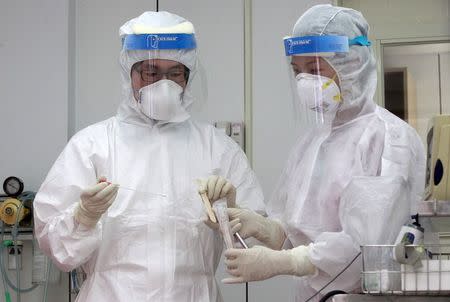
point(315, 82)
point(162, 68)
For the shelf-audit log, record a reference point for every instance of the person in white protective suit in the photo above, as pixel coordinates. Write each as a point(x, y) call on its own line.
point(354, 178)
point(121, 200)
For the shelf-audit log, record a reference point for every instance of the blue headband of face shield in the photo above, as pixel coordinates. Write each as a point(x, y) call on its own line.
point(159, 41)
point(321, 45)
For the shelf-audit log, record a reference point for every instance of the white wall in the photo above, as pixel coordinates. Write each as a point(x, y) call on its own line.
point(445, 81)
point(33, 102)
point(97, 46)
point(33, 87)
point(391, 19)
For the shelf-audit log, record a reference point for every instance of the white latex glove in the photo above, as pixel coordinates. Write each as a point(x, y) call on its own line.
point(251, 224)
point(217, 187)
point(94, 201)
point(260, 263)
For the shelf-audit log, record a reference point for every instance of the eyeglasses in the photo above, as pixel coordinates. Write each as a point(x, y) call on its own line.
point(149, 74)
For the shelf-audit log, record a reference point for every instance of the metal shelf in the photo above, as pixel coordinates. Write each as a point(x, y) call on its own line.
point(370, 298)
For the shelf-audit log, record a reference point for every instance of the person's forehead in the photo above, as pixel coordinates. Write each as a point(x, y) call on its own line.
point(161, 63)
point(304, 60)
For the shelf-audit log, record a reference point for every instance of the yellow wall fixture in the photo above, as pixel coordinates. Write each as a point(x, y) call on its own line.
point(11, 211)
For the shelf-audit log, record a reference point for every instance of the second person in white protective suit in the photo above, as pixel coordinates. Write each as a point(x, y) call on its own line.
point(121, 200)
point(353, 179)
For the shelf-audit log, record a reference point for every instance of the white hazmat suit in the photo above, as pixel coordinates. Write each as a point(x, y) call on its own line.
point(152, 243)
point(352, 182)
point(355, 184)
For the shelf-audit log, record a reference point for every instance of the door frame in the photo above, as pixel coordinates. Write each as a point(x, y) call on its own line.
point(379, 46)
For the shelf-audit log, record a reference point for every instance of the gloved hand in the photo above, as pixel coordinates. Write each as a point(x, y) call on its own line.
point(251, 224)
point(94, 201)
point(217, 187)
point(260, 263)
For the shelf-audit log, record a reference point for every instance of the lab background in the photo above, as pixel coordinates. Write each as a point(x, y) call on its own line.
point(60, 73)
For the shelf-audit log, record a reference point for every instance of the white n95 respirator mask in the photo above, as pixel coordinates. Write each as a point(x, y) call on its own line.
point(162, 101)
point(320, 94)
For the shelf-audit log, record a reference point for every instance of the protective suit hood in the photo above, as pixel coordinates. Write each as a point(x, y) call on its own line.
point(157, 23)
point(356, 69)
